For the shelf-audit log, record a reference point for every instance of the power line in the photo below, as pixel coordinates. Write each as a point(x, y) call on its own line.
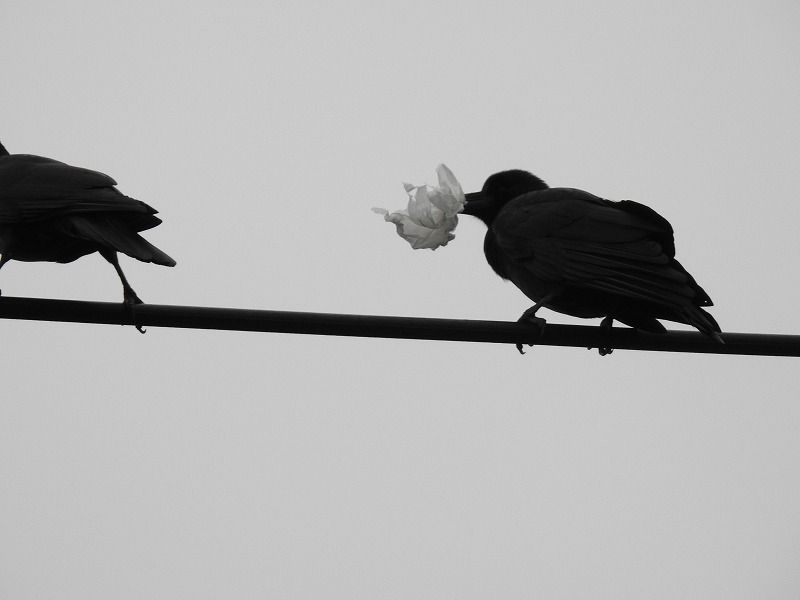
point(463, 330)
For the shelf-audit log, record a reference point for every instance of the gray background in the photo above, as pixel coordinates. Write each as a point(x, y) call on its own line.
point(207, 464)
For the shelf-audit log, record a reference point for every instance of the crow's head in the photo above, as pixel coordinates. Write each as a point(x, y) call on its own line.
point(498, 190)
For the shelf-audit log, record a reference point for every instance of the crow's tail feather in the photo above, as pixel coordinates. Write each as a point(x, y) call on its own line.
point(703, 321)
point(115, 234)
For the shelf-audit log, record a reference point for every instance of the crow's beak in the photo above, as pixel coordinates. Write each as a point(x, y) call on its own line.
point(475, 200)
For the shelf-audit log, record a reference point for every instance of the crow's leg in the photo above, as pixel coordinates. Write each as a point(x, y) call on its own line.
point(606, 325)
point(129, 295)
point(529, 316)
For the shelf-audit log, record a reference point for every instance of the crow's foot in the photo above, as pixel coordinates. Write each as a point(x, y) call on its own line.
point(130, 301)
point(606, 325)
point(529, 318)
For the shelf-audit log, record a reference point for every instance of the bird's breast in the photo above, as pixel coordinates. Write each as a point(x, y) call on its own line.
point(507, 268)
point(495, 255)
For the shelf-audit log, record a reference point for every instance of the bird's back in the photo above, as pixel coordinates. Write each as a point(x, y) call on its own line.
point(35, 188)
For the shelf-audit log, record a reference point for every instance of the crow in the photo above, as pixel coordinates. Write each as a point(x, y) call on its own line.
point(52, 211)
point(584, 256)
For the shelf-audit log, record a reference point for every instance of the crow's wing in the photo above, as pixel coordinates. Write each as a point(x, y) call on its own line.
point(34, 188)
point(573, 238)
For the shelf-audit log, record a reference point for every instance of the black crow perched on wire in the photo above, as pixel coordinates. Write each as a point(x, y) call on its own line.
point(51, 211)
point(584, 256)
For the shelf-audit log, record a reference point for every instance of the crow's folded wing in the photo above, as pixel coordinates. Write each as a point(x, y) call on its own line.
point(33, 188)
point(573, 238)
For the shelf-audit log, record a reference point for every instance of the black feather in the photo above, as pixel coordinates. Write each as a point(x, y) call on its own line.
point(585, 256)
point(51, 211)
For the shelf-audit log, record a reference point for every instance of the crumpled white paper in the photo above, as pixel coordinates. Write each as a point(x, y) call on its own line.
point(432, 212)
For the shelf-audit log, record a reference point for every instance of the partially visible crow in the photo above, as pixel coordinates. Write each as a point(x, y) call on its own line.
point(584, 256)
point(51, 211)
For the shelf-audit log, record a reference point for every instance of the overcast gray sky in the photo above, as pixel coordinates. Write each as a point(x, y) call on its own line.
point(208, 464)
